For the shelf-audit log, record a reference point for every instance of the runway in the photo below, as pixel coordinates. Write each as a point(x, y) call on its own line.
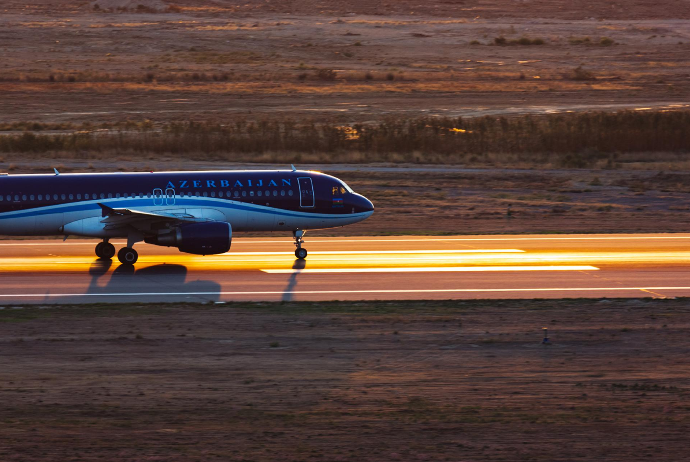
point(354, 268)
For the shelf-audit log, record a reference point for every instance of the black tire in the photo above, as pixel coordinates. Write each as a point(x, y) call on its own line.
point(127, 256)
point(301, 253)
point(99, 249)
point(107, 250)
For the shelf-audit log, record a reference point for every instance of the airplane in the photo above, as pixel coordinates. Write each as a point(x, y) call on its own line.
point(195, 211)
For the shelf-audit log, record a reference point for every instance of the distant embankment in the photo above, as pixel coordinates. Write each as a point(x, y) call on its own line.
point(565, 140)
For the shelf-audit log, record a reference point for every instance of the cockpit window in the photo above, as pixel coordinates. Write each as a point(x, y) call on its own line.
point(347, 188)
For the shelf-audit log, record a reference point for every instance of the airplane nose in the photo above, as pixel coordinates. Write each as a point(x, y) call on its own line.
point(362, 204)
point(369, 207)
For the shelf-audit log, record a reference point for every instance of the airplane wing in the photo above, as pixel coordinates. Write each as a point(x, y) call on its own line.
point(144, 221)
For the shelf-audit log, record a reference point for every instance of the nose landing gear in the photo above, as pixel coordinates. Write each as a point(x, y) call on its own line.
point(300, 252)
point(105, 250)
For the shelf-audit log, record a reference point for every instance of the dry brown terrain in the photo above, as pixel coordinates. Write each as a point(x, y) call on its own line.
point(212, 60)
point(347, 381)
point(522, 201)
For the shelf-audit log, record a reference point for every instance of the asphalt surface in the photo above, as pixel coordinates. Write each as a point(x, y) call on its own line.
point(354, 268)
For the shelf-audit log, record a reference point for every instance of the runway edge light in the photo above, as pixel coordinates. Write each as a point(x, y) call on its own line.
point(546, 340)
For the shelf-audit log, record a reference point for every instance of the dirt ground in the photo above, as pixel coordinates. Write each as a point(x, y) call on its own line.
point(521, 201)
point(213, 60)
point(347, 381)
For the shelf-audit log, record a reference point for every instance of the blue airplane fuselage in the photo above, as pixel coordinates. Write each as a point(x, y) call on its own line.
point(74, 204)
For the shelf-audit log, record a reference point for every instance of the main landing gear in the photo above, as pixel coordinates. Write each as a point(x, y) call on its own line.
point(300, 252)
point(106, 251)
point(127, 256)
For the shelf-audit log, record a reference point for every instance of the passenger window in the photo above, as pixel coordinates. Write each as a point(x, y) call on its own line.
point(86, 196)
point(31, 197)
point(78, 196)
point(2, 198)
point(251, 193)
point(102, 196)
point(275, 192)
point(244, 193)
point(290, 192)
point(237, 194)
point(71, 197)
point(9, 198)
point(110, 195)
point(55, 196)
point(258, 193)
point(282, 192)
point(117, 195)
point(23, 197)
point(197, 193)
point(62, 196)
point(40, 197)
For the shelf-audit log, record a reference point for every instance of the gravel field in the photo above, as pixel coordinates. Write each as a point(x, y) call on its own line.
point(347, 381)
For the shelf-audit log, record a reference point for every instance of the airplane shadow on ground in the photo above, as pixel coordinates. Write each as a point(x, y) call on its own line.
point(292, 282)
point(157, 279)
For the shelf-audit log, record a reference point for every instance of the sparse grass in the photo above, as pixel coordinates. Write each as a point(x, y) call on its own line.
point(580, 74)
point(580, 40)
point(327, 75)
point(568, 140)
point(524, 41)
point(603, 41)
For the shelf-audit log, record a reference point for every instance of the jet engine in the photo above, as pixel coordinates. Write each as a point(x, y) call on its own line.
point(197, 238)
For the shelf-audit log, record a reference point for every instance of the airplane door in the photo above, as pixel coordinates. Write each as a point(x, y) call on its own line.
point(306, 192)
point(169, 196)
point(158, 196)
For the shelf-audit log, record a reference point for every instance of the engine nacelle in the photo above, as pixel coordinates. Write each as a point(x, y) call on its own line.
point(197, 238)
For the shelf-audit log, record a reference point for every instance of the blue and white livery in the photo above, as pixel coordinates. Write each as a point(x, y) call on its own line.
point(193, 211)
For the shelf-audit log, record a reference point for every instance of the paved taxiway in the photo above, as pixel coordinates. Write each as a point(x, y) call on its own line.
point(354, 268)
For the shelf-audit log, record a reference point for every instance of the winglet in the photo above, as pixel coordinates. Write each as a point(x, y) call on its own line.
point(105, 210)
point(56, 171)
point(293, 168)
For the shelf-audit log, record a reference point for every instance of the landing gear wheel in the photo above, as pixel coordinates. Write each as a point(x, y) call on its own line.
point(99, 249)
point(107, 251)
point(300, 253)
point(127, 256)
